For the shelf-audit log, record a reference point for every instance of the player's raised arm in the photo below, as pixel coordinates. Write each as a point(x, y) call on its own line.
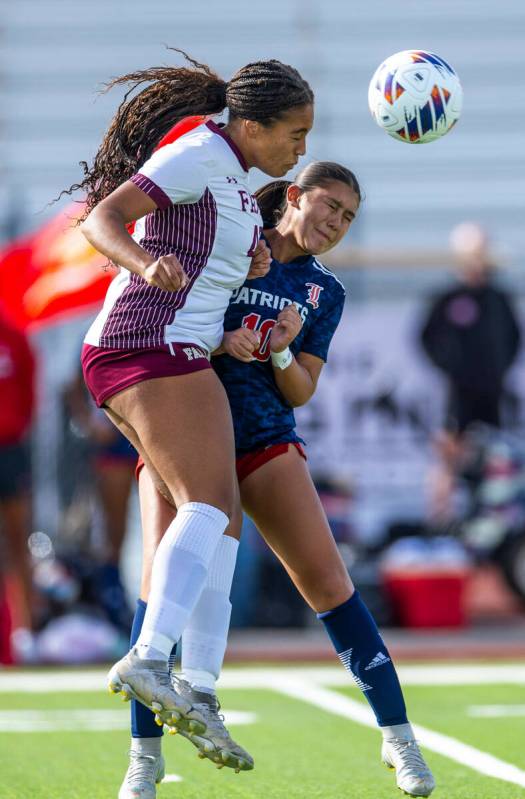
point(106, 229)
point(296, 378)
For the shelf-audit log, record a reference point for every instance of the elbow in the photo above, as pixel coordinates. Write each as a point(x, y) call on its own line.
point(86, 228)
point(97, 221)
point(297, 402)
point(300, 399)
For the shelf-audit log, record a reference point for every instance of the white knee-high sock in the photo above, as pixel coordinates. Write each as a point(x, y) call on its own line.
point(206, 633)
point(179, 573)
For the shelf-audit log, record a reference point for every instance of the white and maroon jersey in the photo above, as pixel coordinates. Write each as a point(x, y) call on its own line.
point(209, 219)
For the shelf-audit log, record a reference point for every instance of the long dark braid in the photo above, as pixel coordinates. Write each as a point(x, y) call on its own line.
point(271, 197)
point(261, 91)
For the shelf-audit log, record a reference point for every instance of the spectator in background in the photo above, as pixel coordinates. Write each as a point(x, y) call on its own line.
point(17, 372)
point(472, 336)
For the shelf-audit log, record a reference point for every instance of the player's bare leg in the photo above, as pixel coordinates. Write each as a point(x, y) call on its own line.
point(281, 499)
point(294, 525)
point(182, 427)
point(204, 639)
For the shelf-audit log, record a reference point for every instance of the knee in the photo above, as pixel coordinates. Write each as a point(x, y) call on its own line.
point(212, 507)
point(223, 502)
point(223, 498)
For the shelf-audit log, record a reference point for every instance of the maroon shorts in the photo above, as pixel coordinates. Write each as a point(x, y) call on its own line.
point(251, 461)
point(108, 371)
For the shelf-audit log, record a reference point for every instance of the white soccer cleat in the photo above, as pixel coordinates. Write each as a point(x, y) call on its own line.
point(216, 743)
point(413, 776)
point(143, 775)
point(148, 681)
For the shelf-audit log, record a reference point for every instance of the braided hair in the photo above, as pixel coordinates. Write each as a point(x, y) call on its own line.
point(262, 91)
point(272, 198)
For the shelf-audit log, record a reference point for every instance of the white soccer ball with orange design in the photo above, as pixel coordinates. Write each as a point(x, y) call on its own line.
point(415, 96)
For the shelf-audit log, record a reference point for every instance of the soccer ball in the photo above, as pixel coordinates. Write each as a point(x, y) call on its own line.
point(415, 96)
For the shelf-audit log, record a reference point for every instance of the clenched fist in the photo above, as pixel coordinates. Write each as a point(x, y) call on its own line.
point(166, 273)
point(241, 343)
point(287, 327)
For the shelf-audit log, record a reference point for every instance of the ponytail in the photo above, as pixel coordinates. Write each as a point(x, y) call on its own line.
point(271, 199)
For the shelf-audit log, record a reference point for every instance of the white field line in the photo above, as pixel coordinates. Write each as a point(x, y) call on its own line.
point(495, 711)
point(433, 675)
point(71, 680)
point(172, 778)
point(462, 753)
point(79, 720)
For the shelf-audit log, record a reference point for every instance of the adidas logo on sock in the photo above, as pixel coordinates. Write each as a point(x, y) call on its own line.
point(379, 660)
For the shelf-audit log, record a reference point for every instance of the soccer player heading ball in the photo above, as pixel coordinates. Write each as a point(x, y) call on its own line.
point(146, 358)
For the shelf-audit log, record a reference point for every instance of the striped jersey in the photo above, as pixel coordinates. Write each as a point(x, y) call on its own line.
point(261, 415)
point(207, 217)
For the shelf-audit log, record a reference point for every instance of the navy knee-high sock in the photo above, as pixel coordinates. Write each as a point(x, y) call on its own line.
point(143, 723)
point(358, 644)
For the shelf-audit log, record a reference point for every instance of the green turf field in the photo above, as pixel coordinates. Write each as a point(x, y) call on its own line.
point(300, 749)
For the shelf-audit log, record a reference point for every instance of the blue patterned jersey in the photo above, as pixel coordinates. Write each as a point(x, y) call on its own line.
point(261, 415)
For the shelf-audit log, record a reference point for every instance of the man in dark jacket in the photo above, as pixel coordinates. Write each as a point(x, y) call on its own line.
point(472, 335)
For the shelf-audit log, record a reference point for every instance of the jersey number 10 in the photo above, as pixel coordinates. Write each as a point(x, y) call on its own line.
point(253, 322)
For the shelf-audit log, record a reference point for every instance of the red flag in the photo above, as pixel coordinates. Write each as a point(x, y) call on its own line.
point(52, 273)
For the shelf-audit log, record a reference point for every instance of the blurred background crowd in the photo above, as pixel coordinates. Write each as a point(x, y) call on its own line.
point(416, 435)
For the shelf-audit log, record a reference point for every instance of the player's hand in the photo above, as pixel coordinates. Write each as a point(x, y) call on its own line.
point(166, 273)
point(261, 261)
point(241, 343)
point(287, 327)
